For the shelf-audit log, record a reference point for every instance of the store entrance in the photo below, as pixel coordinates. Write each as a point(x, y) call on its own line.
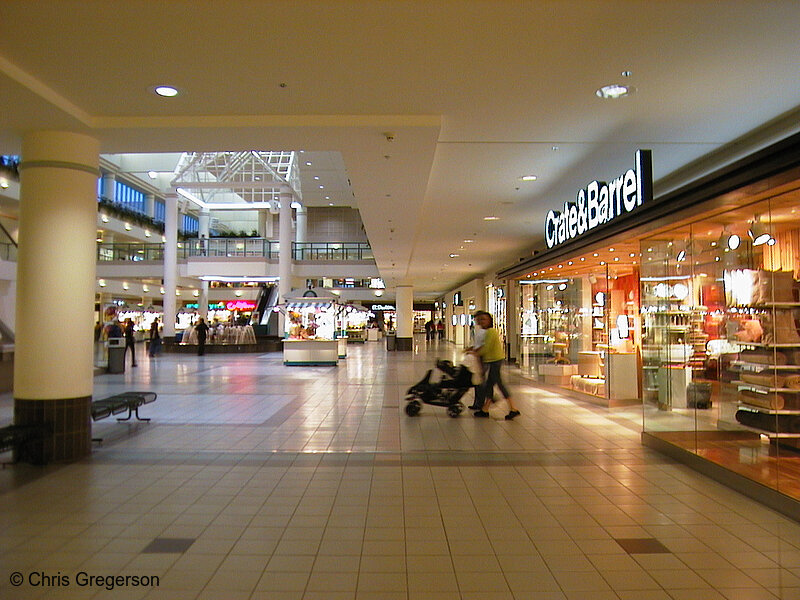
point(581, 328)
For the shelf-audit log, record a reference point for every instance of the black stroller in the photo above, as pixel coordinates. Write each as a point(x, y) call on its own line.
point(448, 391)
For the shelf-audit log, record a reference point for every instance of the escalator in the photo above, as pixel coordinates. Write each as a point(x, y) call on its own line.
point(267, 318)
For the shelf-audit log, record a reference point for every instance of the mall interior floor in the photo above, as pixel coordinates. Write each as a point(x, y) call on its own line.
point(259, 481)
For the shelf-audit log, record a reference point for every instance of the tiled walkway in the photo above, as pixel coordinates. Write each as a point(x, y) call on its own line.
point(256, 480)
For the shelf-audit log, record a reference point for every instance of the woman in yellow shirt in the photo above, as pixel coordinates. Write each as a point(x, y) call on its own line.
point(492, 356)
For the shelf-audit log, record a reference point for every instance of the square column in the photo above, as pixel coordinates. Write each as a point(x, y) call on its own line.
point(404, 304)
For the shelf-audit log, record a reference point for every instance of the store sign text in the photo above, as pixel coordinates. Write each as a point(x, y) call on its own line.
point(240, 305)
point(602, 202)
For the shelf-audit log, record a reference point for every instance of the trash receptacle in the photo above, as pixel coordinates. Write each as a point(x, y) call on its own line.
point(391, 340)
point(116, 355)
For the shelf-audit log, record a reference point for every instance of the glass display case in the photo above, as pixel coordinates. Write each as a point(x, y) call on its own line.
point(310, 332)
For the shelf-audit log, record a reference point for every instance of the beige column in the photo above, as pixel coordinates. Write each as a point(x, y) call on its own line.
point(404, 305)
point(170, 264)
point(53, 363)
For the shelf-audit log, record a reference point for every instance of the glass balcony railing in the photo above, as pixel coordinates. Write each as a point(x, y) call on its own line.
point(332, 251)
point(249, 247)
point(232, 247)
point(130, 252)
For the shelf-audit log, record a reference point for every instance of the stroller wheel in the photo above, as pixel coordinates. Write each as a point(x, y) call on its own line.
point(413, 408)
point(455, 409)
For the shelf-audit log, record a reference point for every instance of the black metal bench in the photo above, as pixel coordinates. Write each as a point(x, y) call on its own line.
point(120, 403)
point(20, 437)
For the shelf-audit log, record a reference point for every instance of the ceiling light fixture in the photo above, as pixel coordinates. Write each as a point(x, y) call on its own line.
point(491, 218)
point(528, 178)
point(3, 184)
point(167, 91)
point(614, 91)
point(152, 174)
point(454, 255)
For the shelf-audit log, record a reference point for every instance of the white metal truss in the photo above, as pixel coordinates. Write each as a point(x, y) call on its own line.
point(248, 177)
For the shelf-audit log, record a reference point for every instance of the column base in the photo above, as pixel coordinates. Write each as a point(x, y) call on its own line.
point(404, 344)
point(69, 427)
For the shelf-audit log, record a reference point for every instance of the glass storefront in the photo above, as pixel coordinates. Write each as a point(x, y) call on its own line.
point(698, 320)
point(580, 327)
point(721, 347)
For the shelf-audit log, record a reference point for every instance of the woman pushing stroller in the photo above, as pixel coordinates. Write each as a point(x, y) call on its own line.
point(490, 350)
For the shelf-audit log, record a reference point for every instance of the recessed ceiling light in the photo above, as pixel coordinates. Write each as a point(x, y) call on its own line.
point(528, 178)
point(491, 218)
point(330, 203)
point(167, 91)
point(327, 197)
point(316, 177)
point(152, 174)
point(468, 241)
point(322, 187)
point(454, 255)
point(614, 91)
point(555, 148)
point(595, 254)
point(626, 73)
point(308, 162)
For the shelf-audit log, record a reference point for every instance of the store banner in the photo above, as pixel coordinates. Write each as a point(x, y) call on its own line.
point(599, 202)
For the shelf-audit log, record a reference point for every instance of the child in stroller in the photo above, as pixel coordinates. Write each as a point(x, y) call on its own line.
point(448, 391)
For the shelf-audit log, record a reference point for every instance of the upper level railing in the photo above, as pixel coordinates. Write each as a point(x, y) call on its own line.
point(236, 247)
point(332, 251)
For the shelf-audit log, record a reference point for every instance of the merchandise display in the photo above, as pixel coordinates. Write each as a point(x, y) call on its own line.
point(582, 331)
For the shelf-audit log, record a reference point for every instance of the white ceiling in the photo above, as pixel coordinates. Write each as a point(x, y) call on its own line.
point(475, 93)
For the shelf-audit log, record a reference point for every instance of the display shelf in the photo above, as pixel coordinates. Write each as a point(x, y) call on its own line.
point(763, 388)
point(758, 367)
point(768, 411)
point(770, 305)
point(763, 345)
point(770, 434)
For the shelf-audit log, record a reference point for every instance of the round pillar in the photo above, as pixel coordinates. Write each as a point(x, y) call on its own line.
point(404, 305)
point(53, 362)
point(170, 263)
point(109, 187)
point(285, 253)
point(264, 223)
point(150, 205)
point(202, 303)
point(204, 224)
point(301, 229)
